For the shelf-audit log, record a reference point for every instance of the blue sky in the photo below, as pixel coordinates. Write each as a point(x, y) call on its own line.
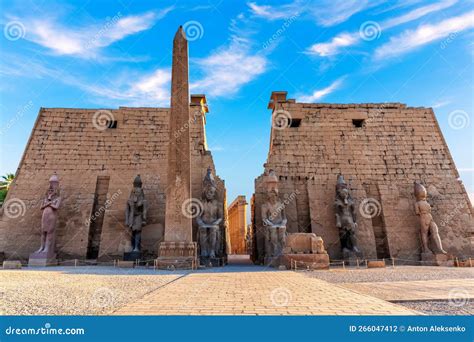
point(106, 54)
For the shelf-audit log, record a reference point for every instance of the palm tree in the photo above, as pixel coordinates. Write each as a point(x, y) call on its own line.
point(7, 181)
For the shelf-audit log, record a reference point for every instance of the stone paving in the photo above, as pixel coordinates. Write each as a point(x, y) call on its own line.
point(446, 289)
point(256, 291)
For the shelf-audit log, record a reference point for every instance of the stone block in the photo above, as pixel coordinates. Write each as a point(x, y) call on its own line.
point(306, 261)
point(304, 243)
point(11, 264)
point(376, 264)
point(431, 259)
point(125, 264)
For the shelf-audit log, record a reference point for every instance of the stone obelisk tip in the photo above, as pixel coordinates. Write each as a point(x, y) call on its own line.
point(180, 34)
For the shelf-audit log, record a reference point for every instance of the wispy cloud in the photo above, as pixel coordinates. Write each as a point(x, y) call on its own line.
point(424, 34)
point(275, 12)
point(228, 69)
point(86, 41)
point(320, 93)
point(440, 104)
point(346, 39)
point(333, 12)
point(325, 13)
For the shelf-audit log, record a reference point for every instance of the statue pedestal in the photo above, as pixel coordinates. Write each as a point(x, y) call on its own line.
point(177, 255)
point(211, 262)
point(42, 259)
point(431, 259)
point(350, 257)
point(132, 256)
point(306, 261)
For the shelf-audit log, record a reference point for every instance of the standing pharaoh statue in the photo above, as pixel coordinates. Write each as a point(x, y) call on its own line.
point(273, 218)
point(346, 219)
point(428, 226)
point(49, 219)
point(210, 218)
point(135, 213)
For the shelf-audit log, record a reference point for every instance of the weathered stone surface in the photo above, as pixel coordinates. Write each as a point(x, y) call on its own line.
point(380, 160)
point(11, 264)
point(71, 141)
point(178, 225)
point(125, 264)
point(304, 243)
point(306, 261)
point(375, 263)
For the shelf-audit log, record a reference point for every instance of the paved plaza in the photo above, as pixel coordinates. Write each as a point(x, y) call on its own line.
point(234, 290)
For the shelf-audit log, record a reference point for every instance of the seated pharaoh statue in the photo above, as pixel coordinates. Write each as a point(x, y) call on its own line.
point(209, 220)
point(273, 218)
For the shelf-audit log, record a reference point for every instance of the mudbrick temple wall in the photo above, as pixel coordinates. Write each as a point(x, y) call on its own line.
point(96, 164)
point(381, 149)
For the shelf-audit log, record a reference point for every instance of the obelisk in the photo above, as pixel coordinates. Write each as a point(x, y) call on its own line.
point(178, 224)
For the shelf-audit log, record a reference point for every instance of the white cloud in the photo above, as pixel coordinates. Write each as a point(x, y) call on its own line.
point(333, 47)
point(320, 93)
point(85, 42)
point(324, 12)
point(274, 12)
point(149, 90)
point(424, 34)
point(440, 104)
point(333, 12)
point(228, 69)
point(346, 39)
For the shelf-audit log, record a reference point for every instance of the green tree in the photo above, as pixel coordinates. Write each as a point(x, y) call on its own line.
point(5, 185)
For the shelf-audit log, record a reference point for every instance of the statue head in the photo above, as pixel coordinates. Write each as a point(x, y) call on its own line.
point(420, 191)
point(209, 186)
point(272, 195)
point(53, 189)
point(342, 190)
point(137, 191)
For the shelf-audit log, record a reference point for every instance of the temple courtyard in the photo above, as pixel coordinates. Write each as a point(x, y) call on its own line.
point(237, 289)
